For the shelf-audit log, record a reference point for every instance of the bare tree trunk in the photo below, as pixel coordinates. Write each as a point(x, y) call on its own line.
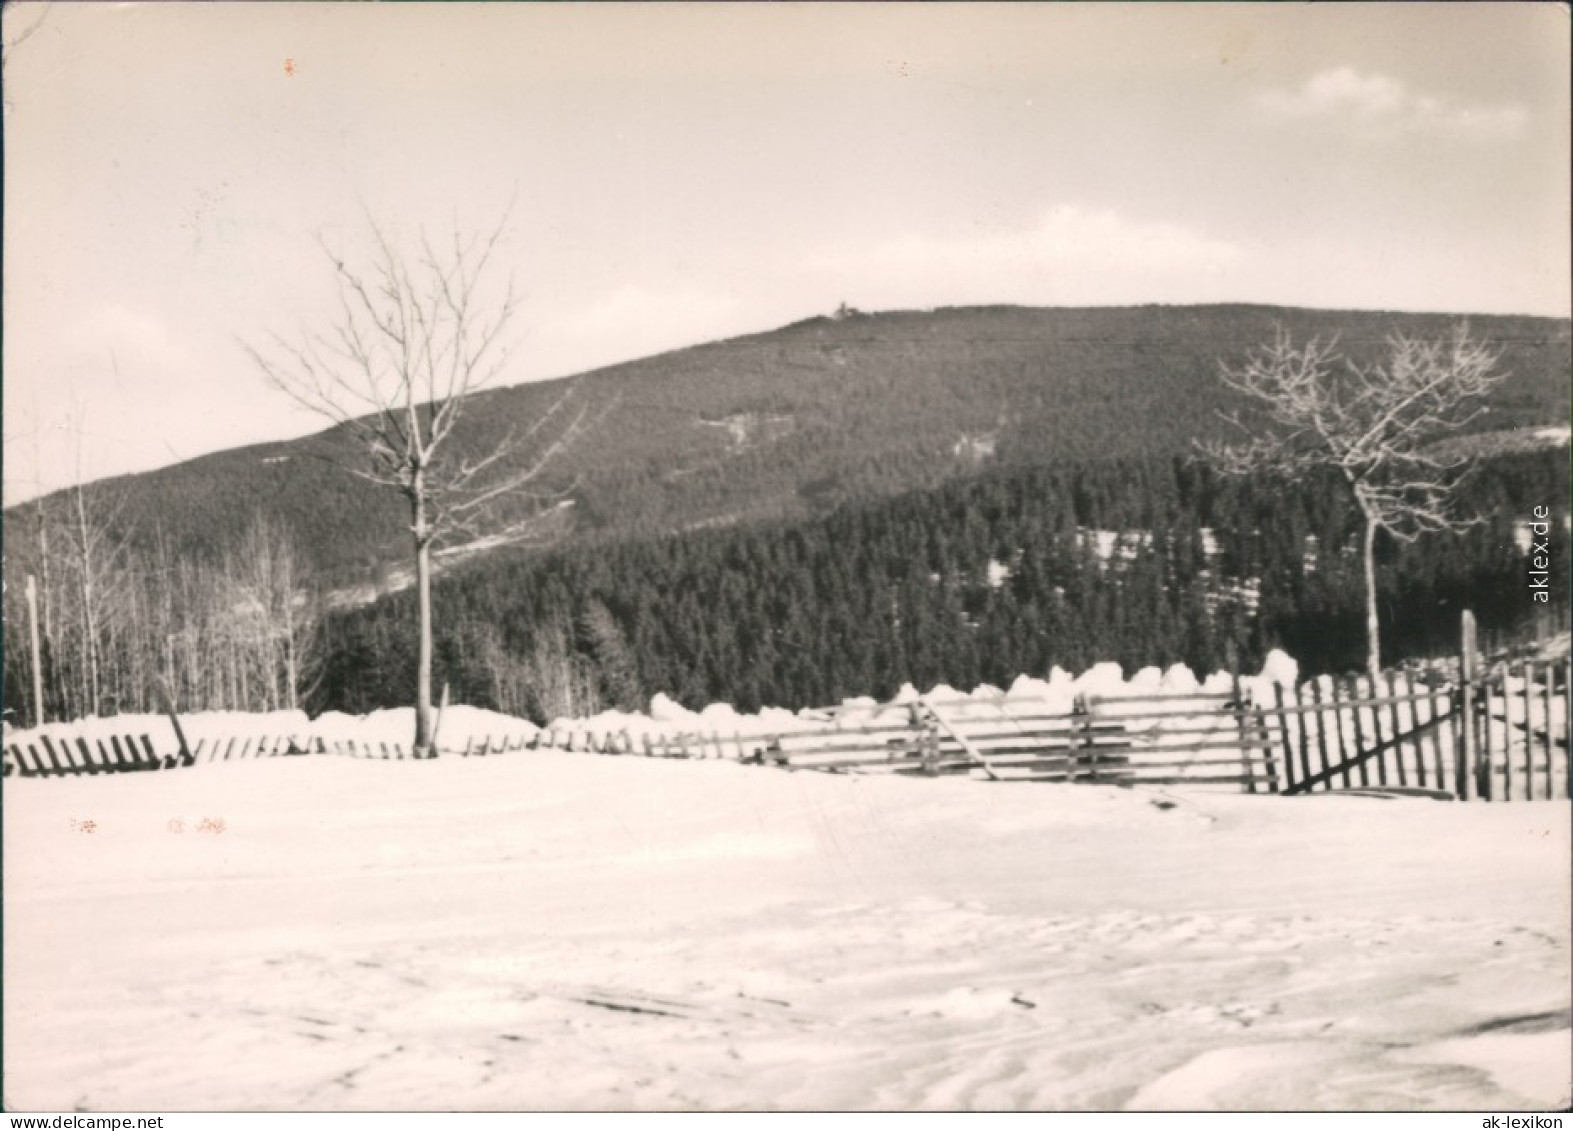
point(90, 685)
point(291, 674)
point(263, 551)
point(46, 602)
point(1373, 658)
point(423, 597)
point(38, 671)
point(141, 669)
point(232, 656)
point(133, 666)
point(199, 676)
point(243, 694)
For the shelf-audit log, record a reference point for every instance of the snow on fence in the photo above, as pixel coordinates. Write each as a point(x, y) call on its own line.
point(42, 755)
point(46, 755)
point(1521, 735)
point(1499, 735)
point(1212, 738)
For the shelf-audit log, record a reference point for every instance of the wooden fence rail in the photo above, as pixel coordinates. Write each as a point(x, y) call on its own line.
point(46, 756)
point(1447, 731)
point(1196, 738)
point(1498, 735)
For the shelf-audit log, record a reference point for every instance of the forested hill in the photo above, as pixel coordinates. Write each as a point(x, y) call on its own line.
point(833, 410)
point(1140, 561)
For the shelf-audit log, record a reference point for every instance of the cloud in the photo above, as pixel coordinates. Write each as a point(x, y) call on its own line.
point(1070, 255)
point(1380, 104)
point(1339, 91)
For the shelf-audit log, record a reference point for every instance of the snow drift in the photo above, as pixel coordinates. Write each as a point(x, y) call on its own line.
point(567, 932)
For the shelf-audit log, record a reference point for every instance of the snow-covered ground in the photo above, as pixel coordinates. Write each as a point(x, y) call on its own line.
point(552, 930)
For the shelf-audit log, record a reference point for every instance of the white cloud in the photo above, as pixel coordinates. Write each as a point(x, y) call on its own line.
point(1338, 91)
point(1071, 255)
point(1382, 104)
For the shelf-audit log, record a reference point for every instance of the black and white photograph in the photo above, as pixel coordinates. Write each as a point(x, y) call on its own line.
point(786, 557)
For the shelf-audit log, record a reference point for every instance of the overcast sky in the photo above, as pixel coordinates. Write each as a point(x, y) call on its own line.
point(686, 172)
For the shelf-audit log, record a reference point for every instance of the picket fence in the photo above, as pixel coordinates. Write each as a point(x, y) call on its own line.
point(1440, 731)
point(1498, 736)
point(44, 756)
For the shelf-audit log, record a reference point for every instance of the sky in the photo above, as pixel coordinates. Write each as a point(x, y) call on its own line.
point(177, 177)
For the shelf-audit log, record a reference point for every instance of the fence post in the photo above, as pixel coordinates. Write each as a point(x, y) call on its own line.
point(1467, 757)
point(1359, 729)
point(186, 757)
point(1321, 738)
point(1549, 670)
point(147, 745)
point(1245, 735)
point(1528, 668)
point(927, 740)
point(1283, 727)
point(1084, 747)
point(1339, 697)
point(1567, 730)
point(1442, 703)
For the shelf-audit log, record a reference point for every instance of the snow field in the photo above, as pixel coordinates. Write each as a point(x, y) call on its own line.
point(554, 931)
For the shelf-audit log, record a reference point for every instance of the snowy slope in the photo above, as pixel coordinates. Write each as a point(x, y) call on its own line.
point(550, 930)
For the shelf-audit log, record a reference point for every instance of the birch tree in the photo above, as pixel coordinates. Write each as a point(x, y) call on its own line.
point(98, 554)
point(1375, 424)
point(281, 613)
point(414, 337)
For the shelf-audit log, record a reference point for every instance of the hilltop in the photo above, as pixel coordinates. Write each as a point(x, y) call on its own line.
point(795, 421)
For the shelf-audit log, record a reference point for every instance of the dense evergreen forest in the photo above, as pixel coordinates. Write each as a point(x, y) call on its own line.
point(797, 421)
point(1140, 561)
point(827, 509)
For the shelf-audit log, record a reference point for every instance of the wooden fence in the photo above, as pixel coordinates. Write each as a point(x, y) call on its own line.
point(43, 756)
point(1444, 731)
point(1152, 739)
point(1519, 732)
point(1499, 735)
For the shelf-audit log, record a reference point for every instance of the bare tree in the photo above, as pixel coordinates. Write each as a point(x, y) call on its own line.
point(46, 604)
point(98, 562)
point(563, 681)
point(1374, 424)
point(279, 613)
point(414, 337)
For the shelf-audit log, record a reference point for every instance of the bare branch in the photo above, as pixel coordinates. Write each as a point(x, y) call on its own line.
point(414, 338)
point(1371, 423)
